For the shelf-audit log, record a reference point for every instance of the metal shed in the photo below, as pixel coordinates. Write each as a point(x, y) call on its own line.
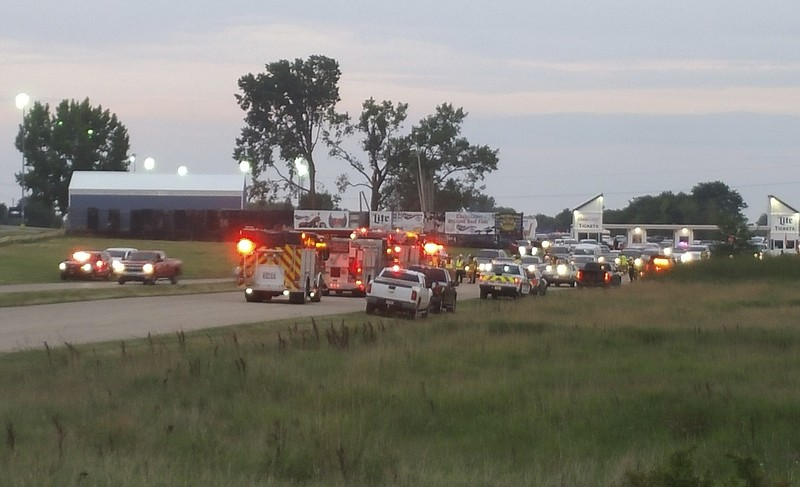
point(101, 200)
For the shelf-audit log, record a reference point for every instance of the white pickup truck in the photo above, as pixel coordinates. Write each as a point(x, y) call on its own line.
point(399, 290)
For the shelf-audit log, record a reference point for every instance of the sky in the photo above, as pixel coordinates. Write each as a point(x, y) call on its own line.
point(580, 98)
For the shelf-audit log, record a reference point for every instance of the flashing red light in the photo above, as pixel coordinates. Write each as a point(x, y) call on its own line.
point(395, 267)
point(397, 249)
point(245, 246)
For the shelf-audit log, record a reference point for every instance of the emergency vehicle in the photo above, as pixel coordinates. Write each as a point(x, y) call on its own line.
point(354, 260)
point(281, 263)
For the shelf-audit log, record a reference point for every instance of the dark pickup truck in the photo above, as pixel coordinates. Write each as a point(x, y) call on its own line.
point(598, 274)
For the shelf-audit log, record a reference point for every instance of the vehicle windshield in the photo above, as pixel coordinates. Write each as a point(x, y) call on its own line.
point(583, 258)
point(505, 269)
point(697, 248)
point(400, 275)
point(531, 259)
point(143, 256)
point(432, 274)
point(116, 253)
point(487, 254)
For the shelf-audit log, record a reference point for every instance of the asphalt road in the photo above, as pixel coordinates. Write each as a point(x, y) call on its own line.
point(25, 327)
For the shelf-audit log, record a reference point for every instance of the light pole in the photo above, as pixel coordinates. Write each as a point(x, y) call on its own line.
point(132, 160)
point(302, 170)
point(245, 168)
point(22, 101)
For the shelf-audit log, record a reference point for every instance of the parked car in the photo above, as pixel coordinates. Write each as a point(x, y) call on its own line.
point(485, 257)
point(86, 264)
point(118, 254)
point(561, 272)
point(442, 286)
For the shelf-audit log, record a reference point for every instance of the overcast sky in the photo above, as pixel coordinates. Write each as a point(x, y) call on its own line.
point(624, 98)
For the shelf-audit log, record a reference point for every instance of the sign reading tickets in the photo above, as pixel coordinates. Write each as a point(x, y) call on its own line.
point(588, 218)
point(468, 223)
point(783, 220)
point(322, 219)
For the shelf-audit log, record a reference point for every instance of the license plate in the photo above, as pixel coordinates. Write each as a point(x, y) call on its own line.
point(268, 275)
point(389, 303)
point(497, 288)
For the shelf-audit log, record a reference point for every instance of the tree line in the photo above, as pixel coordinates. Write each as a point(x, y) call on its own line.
point(290, 115)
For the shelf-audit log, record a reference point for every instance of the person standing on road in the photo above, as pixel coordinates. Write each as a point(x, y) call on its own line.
point(460, 268)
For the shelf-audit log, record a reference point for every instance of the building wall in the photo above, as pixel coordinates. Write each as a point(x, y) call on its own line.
point(109, 205)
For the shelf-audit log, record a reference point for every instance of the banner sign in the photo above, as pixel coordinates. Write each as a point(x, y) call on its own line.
point(409, 221)
point(380, 220)
point(324, 219)
point(529, 225)
point(468, 223)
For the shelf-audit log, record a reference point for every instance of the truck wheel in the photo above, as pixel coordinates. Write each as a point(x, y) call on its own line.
point(484, 294)
point(173, 279)
point(437, 308)
point(452, 307)
point(370, 308)
point(119, 281)
point(250, 298)
point(412, 315)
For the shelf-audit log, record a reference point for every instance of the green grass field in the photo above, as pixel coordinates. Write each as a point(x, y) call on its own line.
point(677, 382)
point(37, 260)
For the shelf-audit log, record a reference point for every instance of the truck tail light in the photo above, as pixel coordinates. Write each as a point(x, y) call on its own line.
point(369, 287)
point(413, 295)
point(607, 277)
point(517, 280)
point(579, 276)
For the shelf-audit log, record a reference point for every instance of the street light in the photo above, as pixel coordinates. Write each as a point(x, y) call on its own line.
point(182, 171)
point(22, 101)
point(149, 163)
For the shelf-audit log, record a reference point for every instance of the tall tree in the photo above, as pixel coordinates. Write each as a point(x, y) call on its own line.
point(287, 107)
point(378, 125)
point(438, 160)
point(79, 137)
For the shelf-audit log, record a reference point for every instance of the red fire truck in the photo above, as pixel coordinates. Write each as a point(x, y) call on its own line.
point(357, 258)
point(281, 263)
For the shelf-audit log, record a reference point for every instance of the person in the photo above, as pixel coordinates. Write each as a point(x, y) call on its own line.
point(623, 263)
point(632, 270)
point(448, 265)
point(473, 269)
point(460, 268)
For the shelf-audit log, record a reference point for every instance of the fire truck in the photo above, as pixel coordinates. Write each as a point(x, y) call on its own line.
point(357, 258)
point(281, 263)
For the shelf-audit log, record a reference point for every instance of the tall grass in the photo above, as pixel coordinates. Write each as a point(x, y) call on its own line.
point(578, 388)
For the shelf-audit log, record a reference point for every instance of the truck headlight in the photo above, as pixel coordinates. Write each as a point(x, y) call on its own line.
point(87, 267)
point(522, 250)
point(561, 269)
point(147, 268)
point(118, 267)
point(62, 266)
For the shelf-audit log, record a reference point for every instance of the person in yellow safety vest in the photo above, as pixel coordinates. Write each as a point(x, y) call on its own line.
point(473, 269)
point(448, 265)
point(460, 268)
point(623, 264)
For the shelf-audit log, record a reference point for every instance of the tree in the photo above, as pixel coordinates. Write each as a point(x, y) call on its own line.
point(435, 158)
point(286, 108)
point(716, 201)
point(79, 137)
point(379, 124)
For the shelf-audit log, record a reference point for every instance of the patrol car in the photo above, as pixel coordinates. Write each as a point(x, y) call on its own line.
point(504, 279)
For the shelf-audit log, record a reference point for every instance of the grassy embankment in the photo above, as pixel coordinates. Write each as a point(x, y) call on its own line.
point(690, 378)
point(36, 261)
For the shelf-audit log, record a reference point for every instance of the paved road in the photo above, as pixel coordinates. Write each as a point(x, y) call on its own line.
point(128, 318)
point(55, 286)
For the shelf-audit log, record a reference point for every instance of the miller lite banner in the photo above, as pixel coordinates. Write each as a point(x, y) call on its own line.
point(588, 217)
point(783, 222)
point(407, 221)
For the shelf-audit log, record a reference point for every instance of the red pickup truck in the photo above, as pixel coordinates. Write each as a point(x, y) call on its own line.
point(148, 266)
